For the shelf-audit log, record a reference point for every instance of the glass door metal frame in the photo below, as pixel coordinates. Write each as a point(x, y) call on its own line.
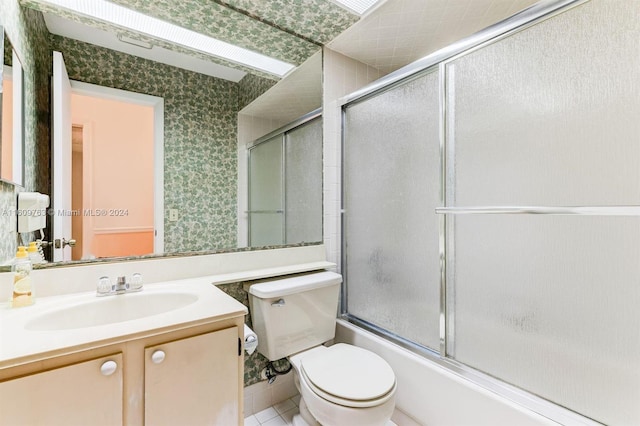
point(531, 16)
point(283, 132)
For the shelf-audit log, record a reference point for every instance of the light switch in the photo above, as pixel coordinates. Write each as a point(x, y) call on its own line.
point(173, 215)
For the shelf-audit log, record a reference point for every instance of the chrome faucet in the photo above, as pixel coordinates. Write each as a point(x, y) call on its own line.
point(122, 285)
point(105, 288)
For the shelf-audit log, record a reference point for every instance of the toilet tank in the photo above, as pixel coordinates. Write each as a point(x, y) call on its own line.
point(292, 314)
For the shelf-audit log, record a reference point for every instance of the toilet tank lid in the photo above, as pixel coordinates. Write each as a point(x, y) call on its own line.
point(286, 286)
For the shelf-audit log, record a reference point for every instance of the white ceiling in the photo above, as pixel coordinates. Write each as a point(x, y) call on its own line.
point(298, 93)
point(399, 32)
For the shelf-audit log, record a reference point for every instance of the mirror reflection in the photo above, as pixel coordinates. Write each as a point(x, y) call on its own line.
point(285, 184)
point(11, 142)
point(190, 193)
point(112, 174)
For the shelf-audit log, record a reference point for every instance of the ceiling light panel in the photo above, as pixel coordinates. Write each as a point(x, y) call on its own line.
point(112, 13)
point(358, 6)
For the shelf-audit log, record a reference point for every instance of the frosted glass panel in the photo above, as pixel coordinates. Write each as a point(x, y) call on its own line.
point(303, 183)
point(550, 304)
point(266, 229)
point(549, 116)
point(265, 193)
point(391, 167)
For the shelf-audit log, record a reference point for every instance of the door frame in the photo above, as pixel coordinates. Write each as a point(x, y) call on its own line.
point(157, 103)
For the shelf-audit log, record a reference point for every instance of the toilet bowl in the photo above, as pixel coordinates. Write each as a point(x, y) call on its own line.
point(340, 384)
point(344, 385)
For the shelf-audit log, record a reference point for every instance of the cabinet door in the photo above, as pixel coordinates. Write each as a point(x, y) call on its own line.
point(79, 394)
point(193, 381)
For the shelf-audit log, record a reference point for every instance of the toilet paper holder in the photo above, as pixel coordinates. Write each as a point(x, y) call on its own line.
point(250, 340)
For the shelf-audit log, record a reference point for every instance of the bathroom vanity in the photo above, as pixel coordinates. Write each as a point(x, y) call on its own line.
point(170, 354)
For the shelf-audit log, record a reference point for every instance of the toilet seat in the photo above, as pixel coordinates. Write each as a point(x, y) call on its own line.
point(349, 376)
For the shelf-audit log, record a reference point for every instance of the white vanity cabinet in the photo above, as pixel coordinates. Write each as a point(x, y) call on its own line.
point(188, 375)
point(84, 393)
point(193, 381)
point(169, 355)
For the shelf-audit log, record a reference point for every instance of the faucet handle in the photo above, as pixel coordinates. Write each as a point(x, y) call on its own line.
point(136, 282)
point(104, 286)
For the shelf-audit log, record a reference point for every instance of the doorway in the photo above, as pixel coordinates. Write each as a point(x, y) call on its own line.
point(114, 200)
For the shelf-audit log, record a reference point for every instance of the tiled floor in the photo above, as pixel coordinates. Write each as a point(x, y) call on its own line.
point(280, 414)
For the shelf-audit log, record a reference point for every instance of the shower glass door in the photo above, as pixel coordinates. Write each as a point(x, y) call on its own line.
point(547, 299)
point(391, 174)
point(533, 249)
point(266, 193)
point(303, 183)
point(285, 185)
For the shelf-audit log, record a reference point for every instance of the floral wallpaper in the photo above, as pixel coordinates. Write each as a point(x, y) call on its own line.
point(250, 87)
point(7, 52)
point(7, 222)
point(213, 19)
point(29, 36)
point(138, 36)
point(246, 33)
point(200, 159)
point(318, 20)
point(256, 362)
point(288, 30)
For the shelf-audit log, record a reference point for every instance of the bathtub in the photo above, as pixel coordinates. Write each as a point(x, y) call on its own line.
point(433, 395)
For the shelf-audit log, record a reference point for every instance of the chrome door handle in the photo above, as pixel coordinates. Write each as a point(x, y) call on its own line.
point(64, 242)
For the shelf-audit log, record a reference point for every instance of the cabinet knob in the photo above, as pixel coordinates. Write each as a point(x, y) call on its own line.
point(157, 357)
point(108, 368)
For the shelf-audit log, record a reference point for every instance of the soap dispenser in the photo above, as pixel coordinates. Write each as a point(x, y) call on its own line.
point(35, 255)
point(22, 286)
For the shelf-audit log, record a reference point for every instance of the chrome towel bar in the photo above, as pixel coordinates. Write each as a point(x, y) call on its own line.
point(264, 211)
point(588, 211)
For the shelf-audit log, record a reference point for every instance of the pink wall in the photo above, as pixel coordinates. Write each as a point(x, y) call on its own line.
point(7, 130)
point(124, 244)
point(119, 161)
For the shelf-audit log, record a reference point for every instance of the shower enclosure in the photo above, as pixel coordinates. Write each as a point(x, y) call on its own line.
point(285, 184)
point(491, 197)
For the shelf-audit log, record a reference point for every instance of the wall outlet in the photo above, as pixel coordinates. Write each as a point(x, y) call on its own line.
point(173, 215)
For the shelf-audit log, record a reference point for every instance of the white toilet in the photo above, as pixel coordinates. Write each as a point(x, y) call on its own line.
point(340, 384)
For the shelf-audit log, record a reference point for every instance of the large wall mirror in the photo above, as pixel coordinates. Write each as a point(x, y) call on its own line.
point(208, 124)
point(11, 116)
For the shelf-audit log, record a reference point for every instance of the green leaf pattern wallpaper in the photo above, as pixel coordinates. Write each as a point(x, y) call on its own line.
point(200, 111)
point(230, 26)
point(291, 36)
point(137, 36)
point(200, 131)
point(317, 20)
point(29, 36)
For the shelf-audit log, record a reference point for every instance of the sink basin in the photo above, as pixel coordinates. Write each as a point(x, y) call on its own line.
point(111, 309)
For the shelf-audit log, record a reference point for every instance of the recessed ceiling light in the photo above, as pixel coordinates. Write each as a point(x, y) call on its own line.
point(121, 16)
point(358, 6)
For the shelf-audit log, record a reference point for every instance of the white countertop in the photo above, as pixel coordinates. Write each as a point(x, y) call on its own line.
point(19, 344)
